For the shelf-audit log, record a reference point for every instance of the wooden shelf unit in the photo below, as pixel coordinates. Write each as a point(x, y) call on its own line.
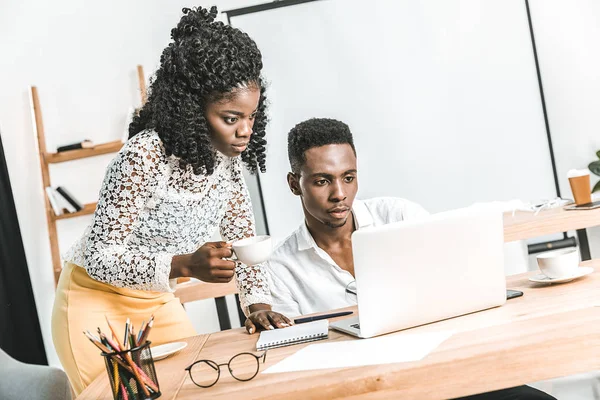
point(50, 158)
point(47, 158)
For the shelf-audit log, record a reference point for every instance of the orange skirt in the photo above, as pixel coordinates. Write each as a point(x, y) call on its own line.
point(82, 303)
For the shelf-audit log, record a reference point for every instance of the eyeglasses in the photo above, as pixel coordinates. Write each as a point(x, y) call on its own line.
point(243, 367)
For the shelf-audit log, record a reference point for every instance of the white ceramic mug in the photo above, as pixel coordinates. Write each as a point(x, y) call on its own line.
point(559, 263)
point(253, 250)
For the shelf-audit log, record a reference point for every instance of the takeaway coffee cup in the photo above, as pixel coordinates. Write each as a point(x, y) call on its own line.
point(579, 179)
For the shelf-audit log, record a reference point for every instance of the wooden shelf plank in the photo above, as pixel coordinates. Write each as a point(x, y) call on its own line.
point(526, 225)
point(104, 148)
point(87, 209)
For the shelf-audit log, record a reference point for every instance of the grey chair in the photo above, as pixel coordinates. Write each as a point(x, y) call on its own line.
point(20, 381)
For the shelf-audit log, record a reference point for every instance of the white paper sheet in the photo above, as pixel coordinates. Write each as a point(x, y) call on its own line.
point(394, 348)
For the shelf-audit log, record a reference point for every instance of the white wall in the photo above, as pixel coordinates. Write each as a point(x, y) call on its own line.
point(568, 41)
point(82, 55)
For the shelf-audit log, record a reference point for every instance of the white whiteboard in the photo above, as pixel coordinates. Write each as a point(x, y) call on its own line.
point(442, 98)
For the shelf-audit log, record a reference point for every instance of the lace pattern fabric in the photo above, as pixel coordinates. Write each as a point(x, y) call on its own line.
point(150, 209)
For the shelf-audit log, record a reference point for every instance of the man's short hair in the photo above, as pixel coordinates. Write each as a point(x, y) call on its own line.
point(316, 132)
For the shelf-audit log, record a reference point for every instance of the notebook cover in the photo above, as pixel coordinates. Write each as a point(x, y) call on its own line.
point(295, 334)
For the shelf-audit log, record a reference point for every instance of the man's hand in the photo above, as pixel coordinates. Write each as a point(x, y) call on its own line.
point(208, 263)
point(263, 317)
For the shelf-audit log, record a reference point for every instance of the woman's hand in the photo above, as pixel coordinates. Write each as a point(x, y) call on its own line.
point(209, 263)
point(263, 317)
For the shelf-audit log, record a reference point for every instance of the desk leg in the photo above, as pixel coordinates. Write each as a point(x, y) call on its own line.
point(223, 313)
point(584, 245)
point(241, 315)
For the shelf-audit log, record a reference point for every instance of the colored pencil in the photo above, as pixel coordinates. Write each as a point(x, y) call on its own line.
point(146, 332)
point(126, 336)
point(139, 336)
point(113, 344)
point(124, 391)
point(114, 333)
point(116, 380)
point(132, 342)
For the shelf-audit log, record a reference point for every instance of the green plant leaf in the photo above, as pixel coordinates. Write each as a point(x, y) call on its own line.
point(598, 153)
point(596, 187)
point(595, 167)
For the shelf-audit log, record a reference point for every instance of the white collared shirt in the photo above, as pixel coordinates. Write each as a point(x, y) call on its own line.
point(304, 279)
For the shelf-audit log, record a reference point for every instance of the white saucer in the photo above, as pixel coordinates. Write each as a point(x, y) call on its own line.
point(581, 271)
point(165, 350)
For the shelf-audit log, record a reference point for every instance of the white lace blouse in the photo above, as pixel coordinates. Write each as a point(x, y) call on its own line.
point(150, 209)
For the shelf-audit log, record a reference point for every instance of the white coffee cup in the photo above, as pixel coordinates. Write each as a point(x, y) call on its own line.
point(253, 250)
point(559, 263)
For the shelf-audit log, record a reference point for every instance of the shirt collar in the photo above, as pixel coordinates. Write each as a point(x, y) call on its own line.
point(362, 217)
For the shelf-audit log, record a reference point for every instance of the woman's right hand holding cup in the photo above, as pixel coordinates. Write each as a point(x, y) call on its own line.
point(209, 263)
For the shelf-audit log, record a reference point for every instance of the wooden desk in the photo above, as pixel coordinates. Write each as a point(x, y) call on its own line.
point(551, 331)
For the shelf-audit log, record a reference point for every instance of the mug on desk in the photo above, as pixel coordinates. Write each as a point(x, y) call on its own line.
point(579, 179)
point(558, 264)
point(253, 250)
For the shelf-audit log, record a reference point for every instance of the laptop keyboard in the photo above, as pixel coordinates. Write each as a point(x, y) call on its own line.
point(355, 326)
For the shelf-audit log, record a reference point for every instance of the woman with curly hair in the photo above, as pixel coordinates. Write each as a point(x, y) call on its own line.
point(174, 183)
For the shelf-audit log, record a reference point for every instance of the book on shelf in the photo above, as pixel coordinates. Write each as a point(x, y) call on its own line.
point(51, 194)
point(59, 204)
point(69, 199)
point(85, 144)
point(63, 203)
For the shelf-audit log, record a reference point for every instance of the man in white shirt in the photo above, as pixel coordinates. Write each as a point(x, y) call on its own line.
point(310, 270)
point(309, 274)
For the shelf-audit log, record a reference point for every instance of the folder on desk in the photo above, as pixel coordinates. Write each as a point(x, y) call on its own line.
point(301, 333)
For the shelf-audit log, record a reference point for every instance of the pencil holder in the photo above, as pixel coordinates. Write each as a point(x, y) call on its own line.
point(131, 373)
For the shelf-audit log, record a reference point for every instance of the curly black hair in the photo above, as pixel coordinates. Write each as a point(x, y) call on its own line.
point(316, 132)
point(207, 61)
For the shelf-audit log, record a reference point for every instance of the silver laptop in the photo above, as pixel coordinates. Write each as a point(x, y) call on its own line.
point(412, 273)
